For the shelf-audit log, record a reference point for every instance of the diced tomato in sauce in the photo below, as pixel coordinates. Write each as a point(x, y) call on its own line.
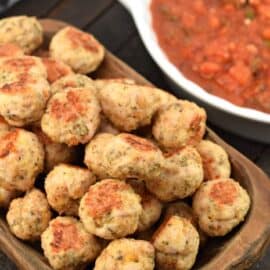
point(222, 45)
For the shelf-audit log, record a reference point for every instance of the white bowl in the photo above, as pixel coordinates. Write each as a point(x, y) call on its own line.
point(246, 122)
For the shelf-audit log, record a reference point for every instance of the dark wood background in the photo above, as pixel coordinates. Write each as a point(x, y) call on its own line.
point(113, 26)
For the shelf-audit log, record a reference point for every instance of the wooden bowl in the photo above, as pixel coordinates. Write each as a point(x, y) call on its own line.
point(239, 250)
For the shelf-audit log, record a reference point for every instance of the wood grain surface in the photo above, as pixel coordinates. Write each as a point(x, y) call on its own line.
point(237, 251)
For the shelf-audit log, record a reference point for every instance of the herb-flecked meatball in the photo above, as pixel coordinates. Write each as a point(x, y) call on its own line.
point(220, 205)
point(56, 69)
point(24, 89)
point(110, 209)
point(125, 254)
point(78, 49)
point(67, 245)
point(216, 162)
point(179, 124)
point(72, 116)
point(21, 159)
point(73, 81)
point(179, 176)
point(65, 185)
point(151, 206)
point(183, 210)
point(176, 244)
point(55, 153)
point(26, 32)
point(29, 216)
point(128, 106)
point(122, 156)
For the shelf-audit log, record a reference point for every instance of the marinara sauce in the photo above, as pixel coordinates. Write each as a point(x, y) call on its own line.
point(222, 45)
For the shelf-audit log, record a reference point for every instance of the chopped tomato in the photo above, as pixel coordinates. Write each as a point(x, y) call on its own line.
point(223, 46)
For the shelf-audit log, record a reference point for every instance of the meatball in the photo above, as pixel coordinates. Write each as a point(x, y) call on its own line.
point(122, 156)
point(151, 206)
point(110, 209)
point(10, 50)
point(23, 31)
point(55, 69)
point(180, 175)
point(220, 205)
point(128, 106)
point(21, 159)
point(24, 90)
point(183, 210)
point(80, 50)
point(6, 196)
point(73, 81)
point(179, 124)
point(55, 153)
point(65, 185)
point(215, 160)
point(72, 116)
point(124, 254)
point(67, 245)
point(29, 216)
point(176, 243)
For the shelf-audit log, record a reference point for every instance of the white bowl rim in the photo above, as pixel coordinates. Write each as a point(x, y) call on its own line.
point(139, 9)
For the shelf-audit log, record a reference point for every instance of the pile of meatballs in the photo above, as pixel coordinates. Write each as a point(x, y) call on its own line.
point(149, 190)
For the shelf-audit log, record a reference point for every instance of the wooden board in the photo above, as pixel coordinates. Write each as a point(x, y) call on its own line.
point(239, 250)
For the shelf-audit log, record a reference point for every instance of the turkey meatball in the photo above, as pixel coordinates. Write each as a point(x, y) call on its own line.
point(215, 160)
point(176, 243)
point(72, 116)
point(23, 31)
point(80, 50)
point(179, 176)
point(179, 124)
point(128, 106)
point(24, 90)
point(220, 205)
point(21, 159)
point(124, 254)
point(183, 210)
point(67, 245)
point(122, 156)
point(29, 216)
point(110, 209)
